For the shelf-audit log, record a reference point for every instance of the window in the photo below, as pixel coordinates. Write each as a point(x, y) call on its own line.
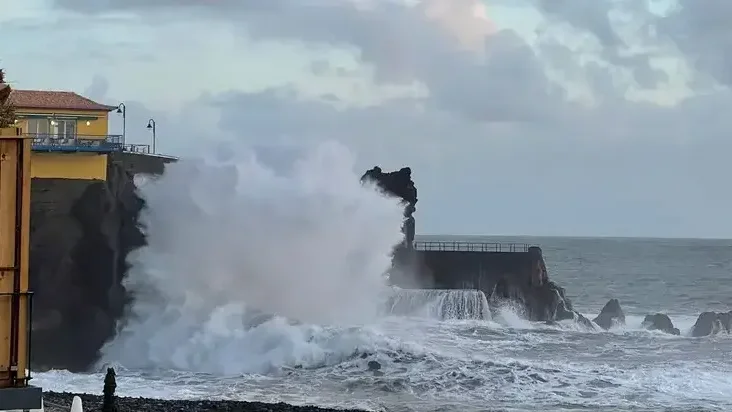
point(38, 126)
point(52, 127)
point(67, 128)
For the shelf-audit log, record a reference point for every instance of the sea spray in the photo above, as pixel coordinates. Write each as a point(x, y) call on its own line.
point(230, 236)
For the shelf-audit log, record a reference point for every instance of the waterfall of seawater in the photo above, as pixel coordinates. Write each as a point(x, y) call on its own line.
point(439, 303)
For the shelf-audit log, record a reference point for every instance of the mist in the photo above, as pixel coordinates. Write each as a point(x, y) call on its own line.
point(231, 236)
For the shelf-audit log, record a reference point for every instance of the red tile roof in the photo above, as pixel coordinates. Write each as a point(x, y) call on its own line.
point(42, 99)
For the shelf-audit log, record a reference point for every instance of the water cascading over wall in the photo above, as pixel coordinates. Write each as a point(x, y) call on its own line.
point(442, 304)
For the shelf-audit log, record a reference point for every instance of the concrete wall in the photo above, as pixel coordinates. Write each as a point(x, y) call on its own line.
point(442, 269)
point(90, 166)
point(475, 270)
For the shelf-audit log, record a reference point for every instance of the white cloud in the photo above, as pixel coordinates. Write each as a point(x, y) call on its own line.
point(555, 133)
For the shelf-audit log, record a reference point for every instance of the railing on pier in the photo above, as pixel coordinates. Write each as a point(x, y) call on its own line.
point(465, 246)
point(43, 142)
point(136, 148)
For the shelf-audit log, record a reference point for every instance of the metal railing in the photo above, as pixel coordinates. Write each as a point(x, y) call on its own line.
point(43, 142)
point(136, 148)
point(76, 143)
point(465, 246)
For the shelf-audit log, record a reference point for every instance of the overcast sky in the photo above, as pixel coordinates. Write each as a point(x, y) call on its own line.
point(541, 117)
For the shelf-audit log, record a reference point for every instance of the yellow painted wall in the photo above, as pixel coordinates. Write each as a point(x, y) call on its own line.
point(97, 127)
point(69, 165)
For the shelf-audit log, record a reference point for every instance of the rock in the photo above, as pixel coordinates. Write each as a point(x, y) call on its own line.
point(398, 184)
point(711, 323)
point(582, 320)
point(374, 365)
point(660, 321)
point(610, 315)
point(81, 234)
point(726, 319)
point(538, 298)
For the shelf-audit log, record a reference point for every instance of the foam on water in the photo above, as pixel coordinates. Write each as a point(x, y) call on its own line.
point(429, 364)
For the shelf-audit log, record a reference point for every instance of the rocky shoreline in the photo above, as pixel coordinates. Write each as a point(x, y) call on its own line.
point(61, 402)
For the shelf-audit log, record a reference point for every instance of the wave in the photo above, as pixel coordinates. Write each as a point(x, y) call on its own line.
point(230, 236)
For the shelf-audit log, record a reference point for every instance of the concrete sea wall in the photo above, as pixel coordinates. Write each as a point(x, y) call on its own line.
point(81, 233)
point(503, 272)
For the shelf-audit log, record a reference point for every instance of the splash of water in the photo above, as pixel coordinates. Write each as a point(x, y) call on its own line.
point(442, 304)
point(230, 237)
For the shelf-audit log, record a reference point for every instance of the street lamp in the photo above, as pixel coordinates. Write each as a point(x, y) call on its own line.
point(151, 126)
point(122, 109)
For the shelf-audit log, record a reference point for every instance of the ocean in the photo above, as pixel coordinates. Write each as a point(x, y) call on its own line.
point(432, 364)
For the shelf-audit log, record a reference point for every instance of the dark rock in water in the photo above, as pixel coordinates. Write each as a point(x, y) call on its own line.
point(726, 319)
point(374, 365)
point(711, 323)
point(610, 315)
point(539, 298)
point(545, 302)
point(62, 402)
point(662, 322)
point(401, 185)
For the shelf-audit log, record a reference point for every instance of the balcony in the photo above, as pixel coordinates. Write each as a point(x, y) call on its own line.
point(83, 143)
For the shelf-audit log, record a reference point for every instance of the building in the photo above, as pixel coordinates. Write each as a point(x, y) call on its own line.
point(70, 133)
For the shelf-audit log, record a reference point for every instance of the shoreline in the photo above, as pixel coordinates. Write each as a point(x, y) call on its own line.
point(61, 402)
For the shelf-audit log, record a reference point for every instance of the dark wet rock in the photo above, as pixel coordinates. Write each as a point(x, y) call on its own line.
point(584, 321)
point(610, 315)
point(662, 322)
point(81, 234)
point(711, 323)
point(399, 184)
point(538, 298)
point(374, 365)
point(726, 319)
point(61, 402)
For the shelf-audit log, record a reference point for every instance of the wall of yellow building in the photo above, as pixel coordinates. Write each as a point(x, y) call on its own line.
point(98, 120)
point(90, 166)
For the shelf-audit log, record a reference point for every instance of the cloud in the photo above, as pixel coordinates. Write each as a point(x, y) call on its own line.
point(589, 120)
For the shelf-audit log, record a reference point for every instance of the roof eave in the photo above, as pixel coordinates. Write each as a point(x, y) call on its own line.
point(102, 108)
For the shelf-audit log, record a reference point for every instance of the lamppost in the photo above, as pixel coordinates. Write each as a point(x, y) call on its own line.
point(151, 126)
point(122, 109)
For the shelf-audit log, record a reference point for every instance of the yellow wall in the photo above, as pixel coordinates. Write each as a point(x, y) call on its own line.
point(14, 153)
point(98, 120)
point(69, 165)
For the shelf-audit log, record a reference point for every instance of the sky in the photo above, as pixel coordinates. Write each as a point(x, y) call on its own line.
point(517, 117)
